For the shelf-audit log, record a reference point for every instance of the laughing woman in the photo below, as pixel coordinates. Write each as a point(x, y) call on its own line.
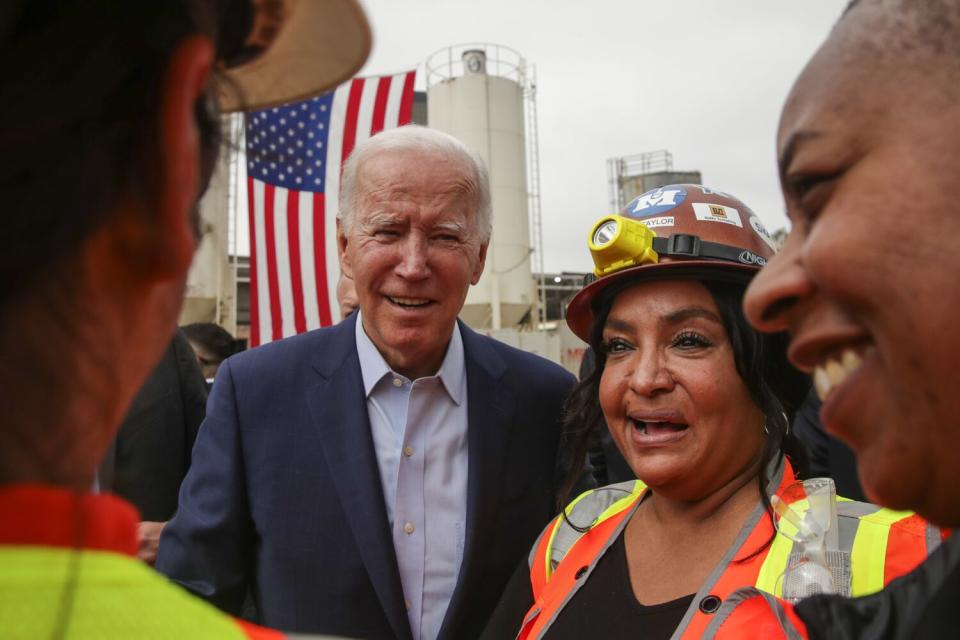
point(698, 403)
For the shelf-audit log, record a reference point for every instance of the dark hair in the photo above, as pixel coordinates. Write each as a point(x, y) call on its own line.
point(214, 339)
point(774, 385)
point(82, 85)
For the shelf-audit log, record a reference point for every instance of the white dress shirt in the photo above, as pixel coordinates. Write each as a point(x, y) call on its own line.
point(419, 432)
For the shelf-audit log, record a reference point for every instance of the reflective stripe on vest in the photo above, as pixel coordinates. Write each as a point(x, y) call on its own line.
point(883, 545)
point(113, 596)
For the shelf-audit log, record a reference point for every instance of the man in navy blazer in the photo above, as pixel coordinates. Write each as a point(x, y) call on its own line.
point(298, 489)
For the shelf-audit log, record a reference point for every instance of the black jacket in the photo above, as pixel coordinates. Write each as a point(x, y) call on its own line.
point(921, 604)
point(150, 455)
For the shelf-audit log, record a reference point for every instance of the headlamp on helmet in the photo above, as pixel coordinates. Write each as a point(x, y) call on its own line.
point(618, 243)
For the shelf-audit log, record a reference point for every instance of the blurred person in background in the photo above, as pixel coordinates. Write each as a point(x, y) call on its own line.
point(346, 296)
point(109, 135)
point(212, 344)
point(699, 404)
point(829, 456)
point(150, 455)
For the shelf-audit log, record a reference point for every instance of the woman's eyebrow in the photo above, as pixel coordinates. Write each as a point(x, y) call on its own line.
point(688, 313)
point(618, 325)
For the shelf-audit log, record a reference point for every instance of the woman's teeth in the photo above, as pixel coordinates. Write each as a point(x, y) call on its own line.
point(833, 372)
point(643, 426)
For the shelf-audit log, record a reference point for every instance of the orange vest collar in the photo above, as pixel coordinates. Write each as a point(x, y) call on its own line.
point(41, 515)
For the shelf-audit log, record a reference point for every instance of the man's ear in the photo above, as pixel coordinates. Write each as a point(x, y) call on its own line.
point(481, 260)
point(345, 265)
point(184, 85)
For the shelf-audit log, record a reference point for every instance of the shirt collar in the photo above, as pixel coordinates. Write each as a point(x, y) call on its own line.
point(373, 367)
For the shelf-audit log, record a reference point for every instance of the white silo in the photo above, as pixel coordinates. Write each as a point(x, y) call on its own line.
point(475, 92)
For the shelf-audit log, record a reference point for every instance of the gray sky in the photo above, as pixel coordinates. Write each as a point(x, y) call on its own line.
point(704, 79)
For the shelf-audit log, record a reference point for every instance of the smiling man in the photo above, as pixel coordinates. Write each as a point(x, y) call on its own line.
point(380, 478)
point(869, 146)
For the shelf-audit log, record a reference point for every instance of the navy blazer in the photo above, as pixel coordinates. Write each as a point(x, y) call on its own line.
point(284, 494)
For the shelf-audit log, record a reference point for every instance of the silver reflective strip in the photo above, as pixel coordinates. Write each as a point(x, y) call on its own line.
point(536, 545)
point(847, 531)
point(742, 595)
point(933, 538)
point(593, 563)
point(583, 514)
point(526, 620)
point(775, 478)
point(854, 509)
point(719, 570)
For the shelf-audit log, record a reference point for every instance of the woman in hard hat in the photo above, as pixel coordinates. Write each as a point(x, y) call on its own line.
point(699, 404)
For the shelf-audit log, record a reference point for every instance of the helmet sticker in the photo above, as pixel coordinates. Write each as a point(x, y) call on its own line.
point(662, 221)
point(707, 191)
point(717, 213)
point(657, 201)
point(762, 232)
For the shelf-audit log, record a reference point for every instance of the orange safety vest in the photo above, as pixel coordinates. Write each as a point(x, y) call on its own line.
point(67, 570)
point(882, 545)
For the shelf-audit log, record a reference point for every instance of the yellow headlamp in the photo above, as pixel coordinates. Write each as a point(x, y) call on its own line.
point(619, 243)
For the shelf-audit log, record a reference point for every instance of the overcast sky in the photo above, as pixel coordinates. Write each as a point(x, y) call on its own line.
point(704, 79)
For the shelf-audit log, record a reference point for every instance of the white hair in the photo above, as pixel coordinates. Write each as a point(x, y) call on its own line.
point(415, 139)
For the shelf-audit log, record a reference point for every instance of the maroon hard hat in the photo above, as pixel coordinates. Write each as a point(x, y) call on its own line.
point(698, 233)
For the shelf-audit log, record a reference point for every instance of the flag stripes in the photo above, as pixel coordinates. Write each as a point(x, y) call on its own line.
point(295, 153)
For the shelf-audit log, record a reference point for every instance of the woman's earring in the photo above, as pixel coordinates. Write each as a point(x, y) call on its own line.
point(766, 431)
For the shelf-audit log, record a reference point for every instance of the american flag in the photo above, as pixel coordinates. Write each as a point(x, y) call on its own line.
point(294, 155)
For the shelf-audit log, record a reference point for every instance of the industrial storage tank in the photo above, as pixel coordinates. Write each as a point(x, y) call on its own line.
point(475, 92)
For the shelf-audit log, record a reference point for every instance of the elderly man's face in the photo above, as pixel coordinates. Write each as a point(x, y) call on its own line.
point(413, 250)
point(867, 281)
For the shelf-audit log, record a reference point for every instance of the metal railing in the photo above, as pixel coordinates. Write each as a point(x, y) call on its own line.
point(502, 61)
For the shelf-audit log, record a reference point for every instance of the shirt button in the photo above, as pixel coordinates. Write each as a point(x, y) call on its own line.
point(407, 602)
point(397, 382)
point(408, 451)
point(408, 528)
